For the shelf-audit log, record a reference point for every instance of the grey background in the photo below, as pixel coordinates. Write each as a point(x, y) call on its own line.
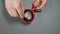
point(46, 22)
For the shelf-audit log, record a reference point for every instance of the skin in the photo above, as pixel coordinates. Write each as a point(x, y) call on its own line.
point(15, 8)
point(40, 4)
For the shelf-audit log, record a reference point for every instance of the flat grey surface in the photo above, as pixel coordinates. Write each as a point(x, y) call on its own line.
point(46, 22)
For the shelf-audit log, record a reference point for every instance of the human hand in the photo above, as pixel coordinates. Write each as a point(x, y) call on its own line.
point(15, 8)
point(39, 3)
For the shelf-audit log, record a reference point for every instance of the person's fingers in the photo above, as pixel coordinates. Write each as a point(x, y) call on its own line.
point(38, 8)
point(40, 4)
point(20, 12)
point(34, 3)
point(12, 12)
point(37, 3)
point(20, 8)
point(43, 3)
